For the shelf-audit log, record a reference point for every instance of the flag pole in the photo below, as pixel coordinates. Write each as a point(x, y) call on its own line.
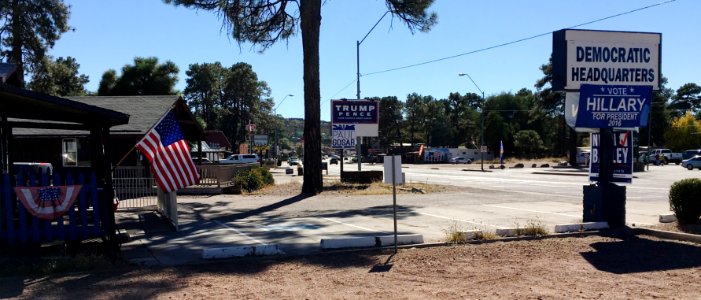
point(147, 131)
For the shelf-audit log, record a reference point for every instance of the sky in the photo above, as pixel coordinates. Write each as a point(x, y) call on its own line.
point(109, 34)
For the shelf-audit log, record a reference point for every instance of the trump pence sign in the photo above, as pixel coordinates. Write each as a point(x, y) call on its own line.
point(364, 114)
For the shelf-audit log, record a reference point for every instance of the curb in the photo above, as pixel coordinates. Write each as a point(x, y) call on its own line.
point(371, 241)
point(668, 218)
point(356, 242)
point(569, 173)
point(561, 228)
point(507, 232)
point(406, 239)
point(686, 237)
point(240, 251)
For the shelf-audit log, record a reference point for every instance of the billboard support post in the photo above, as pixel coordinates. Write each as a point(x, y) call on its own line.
point(609, 77)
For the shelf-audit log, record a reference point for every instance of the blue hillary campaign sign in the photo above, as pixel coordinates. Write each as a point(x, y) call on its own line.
point(622, 159)
point(608, 106)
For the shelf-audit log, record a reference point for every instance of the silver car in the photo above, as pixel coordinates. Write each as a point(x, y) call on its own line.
point(461, 160)
point(691, 163)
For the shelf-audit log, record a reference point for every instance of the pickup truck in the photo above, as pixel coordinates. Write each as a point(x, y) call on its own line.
point(666, 156)
point(240, 159)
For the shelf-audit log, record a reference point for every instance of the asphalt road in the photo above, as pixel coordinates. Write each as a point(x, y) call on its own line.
point(485, 200)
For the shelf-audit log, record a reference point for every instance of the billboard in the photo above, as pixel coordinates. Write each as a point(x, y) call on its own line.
point(260, 139)
point(365, 114)
point(605, 58)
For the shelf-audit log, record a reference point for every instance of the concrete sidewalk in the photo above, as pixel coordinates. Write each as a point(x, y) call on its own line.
point(203, 225)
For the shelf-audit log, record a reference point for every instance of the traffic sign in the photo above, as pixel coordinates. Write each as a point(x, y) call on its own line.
point(251, 127)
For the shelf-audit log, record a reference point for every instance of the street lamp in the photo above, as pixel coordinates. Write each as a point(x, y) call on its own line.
point(481, 120)
point(276, 127)
point(357, 66)
point(283, 100)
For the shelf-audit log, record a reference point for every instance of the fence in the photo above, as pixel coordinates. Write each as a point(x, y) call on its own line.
point(136, 188)
point(75, 220)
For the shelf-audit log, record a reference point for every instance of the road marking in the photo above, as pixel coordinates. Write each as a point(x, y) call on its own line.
point(454, 219)
point(532, 193)
point(531, 210)
point(351, 225)
point(241, 233)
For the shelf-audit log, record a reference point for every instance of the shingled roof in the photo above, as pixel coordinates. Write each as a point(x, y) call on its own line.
point(218, 139)
point(144, 112)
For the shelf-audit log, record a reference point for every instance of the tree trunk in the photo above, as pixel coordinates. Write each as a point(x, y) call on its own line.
point(310, 14)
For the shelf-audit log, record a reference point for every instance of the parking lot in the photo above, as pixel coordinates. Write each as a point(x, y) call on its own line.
point(479, 200)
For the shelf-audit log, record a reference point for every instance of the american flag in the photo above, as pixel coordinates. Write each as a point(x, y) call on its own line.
point(169, 155)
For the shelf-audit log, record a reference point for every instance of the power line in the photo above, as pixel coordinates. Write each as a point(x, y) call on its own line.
point(516, 41)
point(341, 90)
point(499, 45)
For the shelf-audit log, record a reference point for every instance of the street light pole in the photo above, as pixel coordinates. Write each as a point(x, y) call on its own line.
point(277, 154)
point(357, 94)
point(481, 120)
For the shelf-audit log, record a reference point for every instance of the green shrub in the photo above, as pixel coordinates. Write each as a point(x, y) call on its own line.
point(685, 200)
point(253, 179)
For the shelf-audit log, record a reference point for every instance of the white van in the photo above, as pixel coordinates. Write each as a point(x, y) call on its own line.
point(240, 159)
point(37, 168)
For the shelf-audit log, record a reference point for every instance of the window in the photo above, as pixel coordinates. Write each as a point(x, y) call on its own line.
point(70, 152)
point(75, 153)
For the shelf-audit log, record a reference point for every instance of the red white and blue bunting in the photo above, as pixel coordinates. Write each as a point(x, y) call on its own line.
point(47, 202)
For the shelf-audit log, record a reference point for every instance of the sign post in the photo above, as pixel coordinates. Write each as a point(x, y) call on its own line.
point(393, 169)
point(609, 77)
point(251, 128)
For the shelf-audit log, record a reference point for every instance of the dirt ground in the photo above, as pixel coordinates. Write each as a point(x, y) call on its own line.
point(584, 267)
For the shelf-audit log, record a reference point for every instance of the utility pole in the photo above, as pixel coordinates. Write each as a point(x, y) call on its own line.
point(358, 144)
point(481, 120)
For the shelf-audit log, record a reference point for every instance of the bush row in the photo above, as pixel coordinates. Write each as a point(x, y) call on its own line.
point(253, 179)
point(685, 200)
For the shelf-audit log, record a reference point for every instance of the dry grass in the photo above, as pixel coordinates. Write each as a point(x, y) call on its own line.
point(378, 188)
point(290, 188)
point(457, 234)
point(532, 228)
point(337, 187)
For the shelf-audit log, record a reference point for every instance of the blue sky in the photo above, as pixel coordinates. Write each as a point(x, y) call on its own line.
point(110, 33)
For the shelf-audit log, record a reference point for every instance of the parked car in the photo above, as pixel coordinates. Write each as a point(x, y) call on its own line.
point(205, 160)
point(665, 156)
point(691, 153)
point(691, 163)
point(372, 159)
point(293, 161)
point(240, 159)
point(333, 161)
point(37, 168)
point(461, 160)
point(583, 158)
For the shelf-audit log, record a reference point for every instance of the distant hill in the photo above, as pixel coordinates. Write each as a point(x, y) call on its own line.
point(294, 130)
